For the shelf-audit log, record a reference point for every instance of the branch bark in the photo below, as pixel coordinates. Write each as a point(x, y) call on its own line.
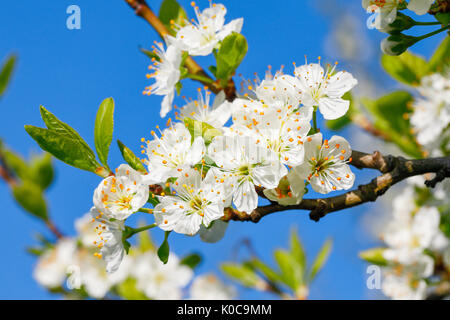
point(394, 169)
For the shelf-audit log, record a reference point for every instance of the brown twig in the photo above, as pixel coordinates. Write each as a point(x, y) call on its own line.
point(394, 169)
point(142, 10)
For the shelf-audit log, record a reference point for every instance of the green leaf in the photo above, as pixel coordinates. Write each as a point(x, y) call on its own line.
point(128, 290)
point(241, 273)
point(443, 18)
point(16, 163)
point(374, 256)
point(268, 272)
point(291, 270)
point(391, 115)
point(171, 12)
point(41, 170)
point(63, 147)
point(198, 128)
point(297, 250)
point(192, 260)
point(30, 197)
point(131, 158)
point(230, 55)
point(164, 250)
point(441, 57)
point(104, 127)
point(406, 68)
point(346, 119)
point(5, 73)
point(320, 259)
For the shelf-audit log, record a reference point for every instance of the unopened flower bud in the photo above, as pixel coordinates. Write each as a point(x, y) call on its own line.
point(401, 23)
point(396, 44)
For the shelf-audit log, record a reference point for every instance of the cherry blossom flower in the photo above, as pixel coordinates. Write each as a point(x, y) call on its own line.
point(109, 239)
point(161, 281)
point(248, 165)
point(209, 287)
point(431, 115)
point(290, 189)
point(195, 202)
point(121, 195)
point(172, 154)
point(199, 110)
point(201, 37)
point(166, 66)
point(52, 267)
point(325, 166)
point(324, 89)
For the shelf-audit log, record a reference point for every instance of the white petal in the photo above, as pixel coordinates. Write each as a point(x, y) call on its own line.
point(333, 108)
point(245, 197)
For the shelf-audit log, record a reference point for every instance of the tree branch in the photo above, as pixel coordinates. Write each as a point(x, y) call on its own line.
point(142, 10)
point(394, 169)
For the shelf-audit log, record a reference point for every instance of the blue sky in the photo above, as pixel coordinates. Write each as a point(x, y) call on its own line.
point(71, 71)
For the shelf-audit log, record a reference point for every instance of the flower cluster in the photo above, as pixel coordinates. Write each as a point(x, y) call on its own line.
point(70, 265)
point(416, 246)
point(196, 38)
point(203, 166)
point(431, 114)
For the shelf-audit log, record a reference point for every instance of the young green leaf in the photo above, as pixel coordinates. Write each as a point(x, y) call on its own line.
point(131, 158)
point(65, 148)
point(41, 170)
point(192, 260)
point(297, 250)
point(230, 55)
point(268, 272)
point(320, 259)
point(242, 274)
point(291, 271)
point(171, 13)
point(104, 127)
point(441, 57)
point(198, 128)
point(128, 290)
point(374, 256)
point(407, 68)
point(16, 163)
point(5, 73)
point(391, 115)
point(31, 198)
point(164, 249)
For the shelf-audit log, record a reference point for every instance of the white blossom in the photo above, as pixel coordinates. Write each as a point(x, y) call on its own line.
point(172, 154)
point(161, 281)
point(195, 202)
point(166, 66)
point(109, 240)
point(247, 165)
point(324, 89)
point(52, 267)
point(121, 195)
point(209, 287)
point(431, 115)
point(325, 166)
point(200, 37)
point(200, 109)
point(289, 191)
